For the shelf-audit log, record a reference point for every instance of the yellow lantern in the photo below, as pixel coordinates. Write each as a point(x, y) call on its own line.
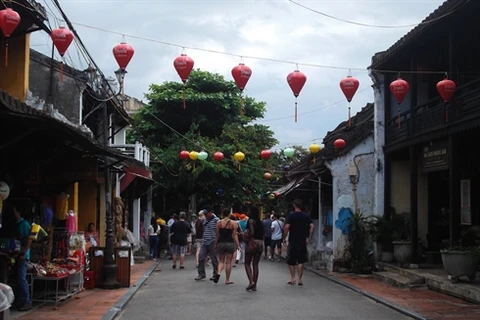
point(314, 149)
point(239, 156)
point(193, 155)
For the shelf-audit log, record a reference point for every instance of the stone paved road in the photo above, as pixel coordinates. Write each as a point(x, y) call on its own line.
point(174, 295)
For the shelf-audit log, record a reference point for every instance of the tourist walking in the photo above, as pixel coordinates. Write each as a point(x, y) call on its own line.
point(226, 242)
point(253, 238)
point(208, 245)
point(277, 236)
point(180, 230)
point(299, 227)
point(267, 236)
point(199, 235)
point(153, 232)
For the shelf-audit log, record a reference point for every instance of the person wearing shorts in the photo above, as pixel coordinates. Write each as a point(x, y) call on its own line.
point(299, 227)
point(277, 236)
point(180, 230)
point(226, 243)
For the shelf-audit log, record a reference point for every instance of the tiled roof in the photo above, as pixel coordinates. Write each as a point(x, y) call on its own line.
point(444, 10)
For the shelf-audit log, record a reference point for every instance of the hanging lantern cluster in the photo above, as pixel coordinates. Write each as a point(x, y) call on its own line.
point(9, 21)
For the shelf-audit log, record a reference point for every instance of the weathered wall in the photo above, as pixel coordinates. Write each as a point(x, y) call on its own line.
point(342, 186)
point(66, 94)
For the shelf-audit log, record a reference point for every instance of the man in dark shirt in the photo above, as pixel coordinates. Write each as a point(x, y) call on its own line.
point(299, 226)
point(180, 230)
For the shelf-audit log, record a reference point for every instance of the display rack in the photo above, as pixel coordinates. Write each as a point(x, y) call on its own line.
point(53, 292)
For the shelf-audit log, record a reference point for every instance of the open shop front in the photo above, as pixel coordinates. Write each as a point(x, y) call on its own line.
point(42, 161)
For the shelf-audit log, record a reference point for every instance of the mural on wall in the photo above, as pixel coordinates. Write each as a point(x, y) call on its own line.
point(344, 221)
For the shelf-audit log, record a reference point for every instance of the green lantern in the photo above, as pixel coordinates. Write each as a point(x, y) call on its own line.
point(202, 155)
point(289, 152)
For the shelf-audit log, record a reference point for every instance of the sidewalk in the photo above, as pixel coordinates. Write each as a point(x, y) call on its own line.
point(421, 304)
point(88, 305)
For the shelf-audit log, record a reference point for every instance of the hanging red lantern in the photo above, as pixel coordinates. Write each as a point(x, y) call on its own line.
point(184, 155)
point(349, 87)
point(9, 21)
point(265, 154)
point(218, 156)
point(446, 88)
point(296, 80)
point(62, 38)
point(399, 89)
point(267, 175)
point(241, 74)
point(183, 64)
point(123, 53)
point(339, 144)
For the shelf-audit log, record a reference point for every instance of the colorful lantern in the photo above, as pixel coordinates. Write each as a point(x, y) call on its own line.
point(239, 157)
point(349, 87)
point(9, 21)
point(241, 74)
point(267, 175)
point(446, 88)
point(183, 64)
point(123, 53)
point(62, 38)
point(218, 156)
point(265, 154)
point(339, 144)
point(271, 196)
point(296, 80)
point(314, 149)
point(202, 155)
point(289, 152)
point(184, 155)
point(399, 89)
point(193, 155)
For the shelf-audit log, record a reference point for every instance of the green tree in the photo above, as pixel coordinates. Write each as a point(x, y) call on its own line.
point(212, 121)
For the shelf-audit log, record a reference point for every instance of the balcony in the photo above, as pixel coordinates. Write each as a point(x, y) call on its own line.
point(137, 151)
point(435, 116)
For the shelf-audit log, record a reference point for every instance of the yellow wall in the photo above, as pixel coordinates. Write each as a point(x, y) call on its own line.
point(14, 77)
point(87, 204)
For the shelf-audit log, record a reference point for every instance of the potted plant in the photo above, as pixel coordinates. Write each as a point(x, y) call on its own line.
point(359, 232)
point(402, 240)
point(462, 260)
point(383, 233)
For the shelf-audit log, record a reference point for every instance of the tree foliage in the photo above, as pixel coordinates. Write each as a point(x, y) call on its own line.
point(212, 121)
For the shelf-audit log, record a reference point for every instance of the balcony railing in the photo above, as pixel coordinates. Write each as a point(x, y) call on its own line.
point(137, 151)
point(435, 114)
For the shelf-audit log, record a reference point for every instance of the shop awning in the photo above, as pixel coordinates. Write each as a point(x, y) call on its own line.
point(141, 177)
point(292, 184)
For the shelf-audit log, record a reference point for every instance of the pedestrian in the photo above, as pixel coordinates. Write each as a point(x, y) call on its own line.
point(267, 231)
point(242, 222)
point(153, 232)
point(199, 234)
point(277, 236)
point(253, 238)
point(226, 242)
point(299, 227)
point(208, 245)
point(180, 230)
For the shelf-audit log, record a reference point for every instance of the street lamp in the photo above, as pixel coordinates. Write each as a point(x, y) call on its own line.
point(123, 53)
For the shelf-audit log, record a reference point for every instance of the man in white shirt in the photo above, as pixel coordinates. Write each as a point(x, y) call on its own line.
point(277, 236)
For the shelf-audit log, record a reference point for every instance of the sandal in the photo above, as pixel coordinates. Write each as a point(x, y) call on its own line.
point(228, 282)
point(250, 287)
point(291, 282)
point(300, 283)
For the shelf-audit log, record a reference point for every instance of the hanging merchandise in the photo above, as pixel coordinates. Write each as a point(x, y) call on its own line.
point(184, 65)
point(9, 21)
point(62, 38)
point(314, 149)
point(239, 157)
point(218, 156)
point(296, 80)
point(71, 223)
point(349, 86)
point(241, 74)
point(184, 155)
point(202, 156)
point(399, 89)
point(288, 152)
point(446, 88)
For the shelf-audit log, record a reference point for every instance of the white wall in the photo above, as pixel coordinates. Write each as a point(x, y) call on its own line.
point(342, 186)
point(379, 143)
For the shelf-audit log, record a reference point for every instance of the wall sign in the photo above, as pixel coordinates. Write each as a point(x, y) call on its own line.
point(435, 156)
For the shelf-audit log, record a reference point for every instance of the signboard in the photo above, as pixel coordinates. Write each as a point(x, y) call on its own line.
point(435, 156)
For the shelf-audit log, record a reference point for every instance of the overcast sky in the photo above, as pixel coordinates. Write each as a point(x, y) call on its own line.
point(269, 29)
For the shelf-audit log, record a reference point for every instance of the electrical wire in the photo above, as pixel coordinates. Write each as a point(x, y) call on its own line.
point(373, 25)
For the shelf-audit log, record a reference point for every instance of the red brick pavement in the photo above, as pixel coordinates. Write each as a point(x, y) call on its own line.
point(88, 305)
point(434, 305)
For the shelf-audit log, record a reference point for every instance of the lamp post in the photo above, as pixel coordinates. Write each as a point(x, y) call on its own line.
point(122, 53)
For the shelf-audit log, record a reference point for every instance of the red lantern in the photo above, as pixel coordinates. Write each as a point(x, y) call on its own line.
point(446, 88)
point(339, 144)
point(61, 38)
point(123, 53)
point(9, 21)
point(349, 87)
point(296, 80)
point(184, 154)
point(184, 65)
point(241, 74)
point(267, 175)
point(218, 156)
point(266, 154)
point(399, 89)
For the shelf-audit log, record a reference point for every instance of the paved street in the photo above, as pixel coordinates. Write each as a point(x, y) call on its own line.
point(173, 294)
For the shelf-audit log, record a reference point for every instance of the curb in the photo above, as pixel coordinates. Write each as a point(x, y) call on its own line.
point(391, 305)
point(118, 307)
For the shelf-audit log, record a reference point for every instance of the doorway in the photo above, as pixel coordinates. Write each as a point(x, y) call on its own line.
point(438, 210)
